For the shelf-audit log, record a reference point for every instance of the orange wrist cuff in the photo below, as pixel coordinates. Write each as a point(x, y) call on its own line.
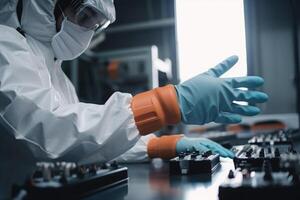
point(163, 147)
point(155, 108)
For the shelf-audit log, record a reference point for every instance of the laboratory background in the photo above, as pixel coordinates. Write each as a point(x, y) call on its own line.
point(169, 41)
point(147, 112)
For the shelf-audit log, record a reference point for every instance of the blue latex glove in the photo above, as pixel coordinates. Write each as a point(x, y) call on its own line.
point(202, 145)
point(206, 97)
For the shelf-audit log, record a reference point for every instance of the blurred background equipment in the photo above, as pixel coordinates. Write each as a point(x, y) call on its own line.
point(136, 53)
point(187, 37)
point(169, 41)
point(133, 71)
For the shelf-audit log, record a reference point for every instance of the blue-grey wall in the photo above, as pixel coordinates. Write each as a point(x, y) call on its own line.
point(271, 51)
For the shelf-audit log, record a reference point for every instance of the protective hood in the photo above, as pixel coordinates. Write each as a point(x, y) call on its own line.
point(38, 18)
point(8, 15)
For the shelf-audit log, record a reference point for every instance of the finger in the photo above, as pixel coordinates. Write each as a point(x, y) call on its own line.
point(224, 152)
point(227, 153)
point(222, 67)
point(201, 148)
point(246, 110)
point(228, 118)
point(217, 148)
point(247, 82)
point(250, 96)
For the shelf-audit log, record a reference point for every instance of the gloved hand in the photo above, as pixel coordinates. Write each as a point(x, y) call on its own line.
point(202, 145)
point(206, 97)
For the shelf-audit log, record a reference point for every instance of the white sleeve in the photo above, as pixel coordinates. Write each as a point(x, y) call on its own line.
point(51, 130)
point(138, 153)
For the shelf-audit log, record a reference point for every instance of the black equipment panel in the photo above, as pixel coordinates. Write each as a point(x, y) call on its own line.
point(194, 163)
point(246, 185)
point(252, 156)
point(266, 168)
point(63, 180)
point(273, 138)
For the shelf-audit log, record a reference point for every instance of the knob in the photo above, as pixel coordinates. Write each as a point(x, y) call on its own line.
point(261, 153)
point(80, 171)
point(181, 155)
point(277, 153)
point(231, 174)
point(249, 152)
point(267, 168)
point(187, 151)
point(103, 166)
point(114, 165)
point(207, 153)
point(194, 155)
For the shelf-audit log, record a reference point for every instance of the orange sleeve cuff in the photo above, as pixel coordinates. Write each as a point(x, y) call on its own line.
point(163, 147)
point(155, 108)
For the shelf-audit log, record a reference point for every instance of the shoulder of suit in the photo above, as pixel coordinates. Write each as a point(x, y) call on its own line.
point(11, 36)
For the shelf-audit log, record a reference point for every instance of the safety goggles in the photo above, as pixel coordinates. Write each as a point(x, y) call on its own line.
point(88, 16)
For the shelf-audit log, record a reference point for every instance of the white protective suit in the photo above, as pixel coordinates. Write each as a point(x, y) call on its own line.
point(40, 115)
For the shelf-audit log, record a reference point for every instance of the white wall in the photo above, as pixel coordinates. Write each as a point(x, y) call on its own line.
point(209, 31)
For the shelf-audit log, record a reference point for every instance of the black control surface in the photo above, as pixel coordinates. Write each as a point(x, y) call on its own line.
point(68, 180)
point(253, 156)
point(271, 147)
point(273, 138)
point(266, 168)
point(194, 163)
point(244, 184)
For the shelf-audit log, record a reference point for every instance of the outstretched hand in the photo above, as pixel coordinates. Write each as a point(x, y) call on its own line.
point(207, 97)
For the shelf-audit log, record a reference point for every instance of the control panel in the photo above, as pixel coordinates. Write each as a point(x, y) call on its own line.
point(253, 156)
point(194, 163)
point(68, 180)
point(266, 184)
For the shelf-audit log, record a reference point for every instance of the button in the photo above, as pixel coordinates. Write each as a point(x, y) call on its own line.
point(194, 155)
point(93, 169)
point(245, 173)
point(261, 153)
point(269, 150)
point(267, 168)
point(114, 165)
point(207, 153)
point(63, 179)
point(277, 153)
point(231, 174)
point(249, 152)
point(103, 166)
point(80, 171)
point(181, 155)
point(187, 151)
point(268, 176)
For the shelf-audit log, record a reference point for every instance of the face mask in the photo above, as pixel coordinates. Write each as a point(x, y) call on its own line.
point(71, 41)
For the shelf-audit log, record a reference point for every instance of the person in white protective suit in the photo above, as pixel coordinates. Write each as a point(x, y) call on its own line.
point(42, 119)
